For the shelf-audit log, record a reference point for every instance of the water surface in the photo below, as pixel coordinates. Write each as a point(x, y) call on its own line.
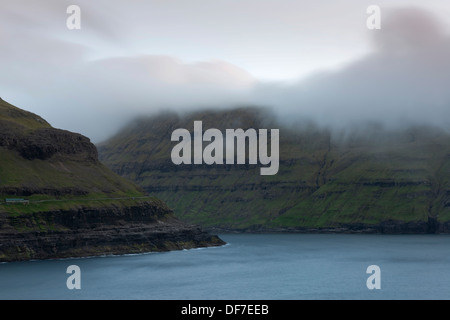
point(251, 266)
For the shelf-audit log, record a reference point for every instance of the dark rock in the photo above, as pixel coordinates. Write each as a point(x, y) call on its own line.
point(147, 227)
point(45, 143)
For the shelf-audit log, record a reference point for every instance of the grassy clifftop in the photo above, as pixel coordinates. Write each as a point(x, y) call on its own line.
point(361, 178)
point(41, 162)
point(14, 115)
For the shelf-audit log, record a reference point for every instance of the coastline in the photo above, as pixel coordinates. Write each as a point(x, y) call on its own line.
point(432, 226)
point(83, 232)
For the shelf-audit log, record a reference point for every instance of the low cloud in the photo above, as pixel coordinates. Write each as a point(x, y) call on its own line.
point(98, 97)
point(405, 80)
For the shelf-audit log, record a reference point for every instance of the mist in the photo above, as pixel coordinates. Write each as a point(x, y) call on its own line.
point(404, 79)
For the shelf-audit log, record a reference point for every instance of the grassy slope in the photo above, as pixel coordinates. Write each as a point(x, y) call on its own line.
point(368, 177)
point(29, 120)
point(61, 177)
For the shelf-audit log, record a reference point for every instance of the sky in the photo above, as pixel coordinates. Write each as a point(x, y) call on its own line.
point(315, 59)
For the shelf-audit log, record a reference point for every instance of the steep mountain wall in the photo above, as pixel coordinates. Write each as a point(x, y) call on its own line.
point(366, 178)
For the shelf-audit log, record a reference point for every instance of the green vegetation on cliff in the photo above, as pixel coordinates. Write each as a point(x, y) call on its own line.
point(75, 206)
point(41, 162)
point(387, 180)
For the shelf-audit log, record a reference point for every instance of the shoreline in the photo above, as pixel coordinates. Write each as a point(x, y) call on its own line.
point(112, 255)
point(392, 227)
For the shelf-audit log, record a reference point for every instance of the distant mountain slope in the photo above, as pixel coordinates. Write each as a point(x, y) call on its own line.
point(75, 206)
point(370, 179)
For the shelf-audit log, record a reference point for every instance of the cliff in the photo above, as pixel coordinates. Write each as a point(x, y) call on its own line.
point(362, 179)
point(91, 231)
point(75, 205)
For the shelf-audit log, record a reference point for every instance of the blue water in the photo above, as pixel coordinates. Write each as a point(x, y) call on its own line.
point(251, 266)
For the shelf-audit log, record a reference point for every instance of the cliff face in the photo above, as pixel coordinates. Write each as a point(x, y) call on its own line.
point(370, 179)
point(143, 227)
point(77, 207)
point(44, 143)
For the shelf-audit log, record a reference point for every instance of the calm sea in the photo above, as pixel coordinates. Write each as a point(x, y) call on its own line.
point(250, 266)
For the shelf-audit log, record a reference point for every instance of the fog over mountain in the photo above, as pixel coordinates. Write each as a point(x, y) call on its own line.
point(68, 78)
point(406, 80)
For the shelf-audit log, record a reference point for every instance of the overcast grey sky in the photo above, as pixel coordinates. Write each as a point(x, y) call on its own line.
point(137, 57)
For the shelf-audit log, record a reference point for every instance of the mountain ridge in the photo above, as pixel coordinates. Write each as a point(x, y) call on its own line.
point(368, 178)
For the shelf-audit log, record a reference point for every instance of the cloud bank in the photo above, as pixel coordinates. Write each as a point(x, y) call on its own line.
point(404, 80)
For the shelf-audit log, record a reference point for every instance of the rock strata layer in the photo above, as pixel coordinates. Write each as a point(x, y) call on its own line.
point(148, 227)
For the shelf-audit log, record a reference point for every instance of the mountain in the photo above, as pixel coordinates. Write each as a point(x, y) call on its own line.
point(362, 179)
point(68, 204)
